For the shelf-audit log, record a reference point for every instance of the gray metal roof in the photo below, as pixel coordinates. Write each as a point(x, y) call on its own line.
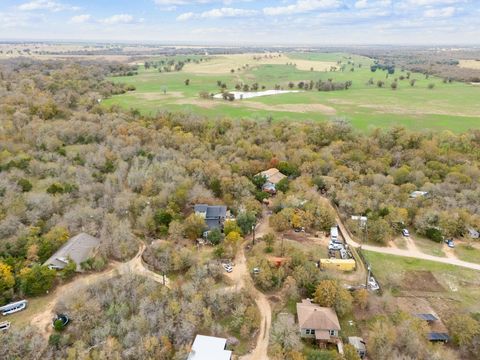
point(357, 343)
point(212, 211)
point(78, 248)
point(435, 336)
point(427, 317)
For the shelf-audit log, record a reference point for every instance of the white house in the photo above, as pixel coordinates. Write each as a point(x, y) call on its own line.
point(209, 348)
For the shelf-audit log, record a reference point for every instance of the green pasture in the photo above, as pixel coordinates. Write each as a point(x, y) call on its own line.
point(453, 106)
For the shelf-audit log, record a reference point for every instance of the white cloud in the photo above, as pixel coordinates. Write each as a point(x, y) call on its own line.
point(80, 19)
point(186, 16)
point(119, 19)
point(218, 13)
point(303, 6)
point(227, 12)
point(435, 2)
point(442, 12)
point(49, 5)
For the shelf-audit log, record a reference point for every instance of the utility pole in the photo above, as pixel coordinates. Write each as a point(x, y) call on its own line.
point(368, 276)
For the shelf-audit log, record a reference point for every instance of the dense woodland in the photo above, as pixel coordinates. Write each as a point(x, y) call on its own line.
point(440, 62)
point(68, 164)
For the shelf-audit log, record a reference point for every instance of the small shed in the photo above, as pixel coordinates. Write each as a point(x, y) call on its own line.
point(359, 344)
point(474, 234)
point(427, 317)
point(438, 337)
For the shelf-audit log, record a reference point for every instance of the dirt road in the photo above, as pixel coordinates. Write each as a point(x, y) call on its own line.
point(241, 278)
point(43, 319)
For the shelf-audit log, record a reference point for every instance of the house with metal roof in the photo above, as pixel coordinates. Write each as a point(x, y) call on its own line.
point(78, 249)
point(214, 215)
point(316, 322)
point(209, 348)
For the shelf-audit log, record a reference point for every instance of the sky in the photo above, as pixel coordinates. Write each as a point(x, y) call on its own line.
point(245, 22)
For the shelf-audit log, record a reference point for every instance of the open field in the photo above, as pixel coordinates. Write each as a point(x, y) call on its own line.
point(470, 64)
point(455, 286)
point(467, 253)
point(452, 106)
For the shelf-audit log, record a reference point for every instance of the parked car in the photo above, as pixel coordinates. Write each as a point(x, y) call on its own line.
point(405, 233)
point(256, 271)
point(335, 246)
point(450, 243)
point(227, 268)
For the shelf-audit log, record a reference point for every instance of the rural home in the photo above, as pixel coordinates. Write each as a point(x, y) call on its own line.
point(214, 215)
point(78, 248)
point(209, 348)
point(316, 322)
point(272, 176)
point(359, 345)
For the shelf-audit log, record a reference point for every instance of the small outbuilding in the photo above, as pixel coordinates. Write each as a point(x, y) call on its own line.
point(78, 249)
point(418, 194)
point(209, 348)
point(474, 234)
point(359, 344)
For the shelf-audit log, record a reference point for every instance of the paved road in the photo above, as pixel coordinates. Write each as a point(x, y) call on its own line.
point(405, 253)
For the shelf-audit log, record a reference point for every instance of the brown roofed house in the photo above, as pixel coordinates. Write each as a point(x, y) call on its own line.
point(317, 322)
point(273, 177)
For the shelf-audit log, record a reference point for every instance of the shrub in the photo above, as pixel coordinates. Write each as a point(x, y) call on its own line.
point(25, 185)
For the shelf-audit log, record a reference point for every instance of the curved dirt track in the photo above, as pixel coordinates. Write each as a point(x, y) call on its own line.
point(243, 278)
point(43, 319)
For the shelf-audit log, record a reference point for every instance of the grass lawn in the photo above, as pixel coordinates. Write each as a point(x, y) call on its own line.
point(467, 253)
point(428, 246)
point(22, 319)
point(446, 106)
point(459, 284)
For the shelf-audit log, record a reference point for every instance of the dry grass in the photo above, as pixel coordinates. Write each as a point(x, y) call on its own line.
point(223, 64)
point(470, 64)
point(294, 108)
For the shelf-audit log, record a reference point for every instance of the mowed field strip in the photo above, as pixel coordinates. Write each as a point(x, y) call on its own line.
point(470, 64)
point(448, 106)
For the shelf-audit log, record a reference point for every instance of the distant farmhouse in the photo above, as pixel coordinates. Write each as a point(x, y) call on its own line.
point(214, 215)
point(78, 248)
point(273, 177)
point(209, 348)
point(316, 322)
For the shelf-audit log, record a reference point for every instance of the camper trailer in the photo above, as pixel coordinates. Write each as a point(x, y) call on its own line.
point(334, 235)
point(13, 307)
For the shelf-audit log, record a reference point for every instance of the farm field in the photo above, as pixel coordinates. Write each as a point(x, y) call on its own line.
point(455, 286)
point(448, 106)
